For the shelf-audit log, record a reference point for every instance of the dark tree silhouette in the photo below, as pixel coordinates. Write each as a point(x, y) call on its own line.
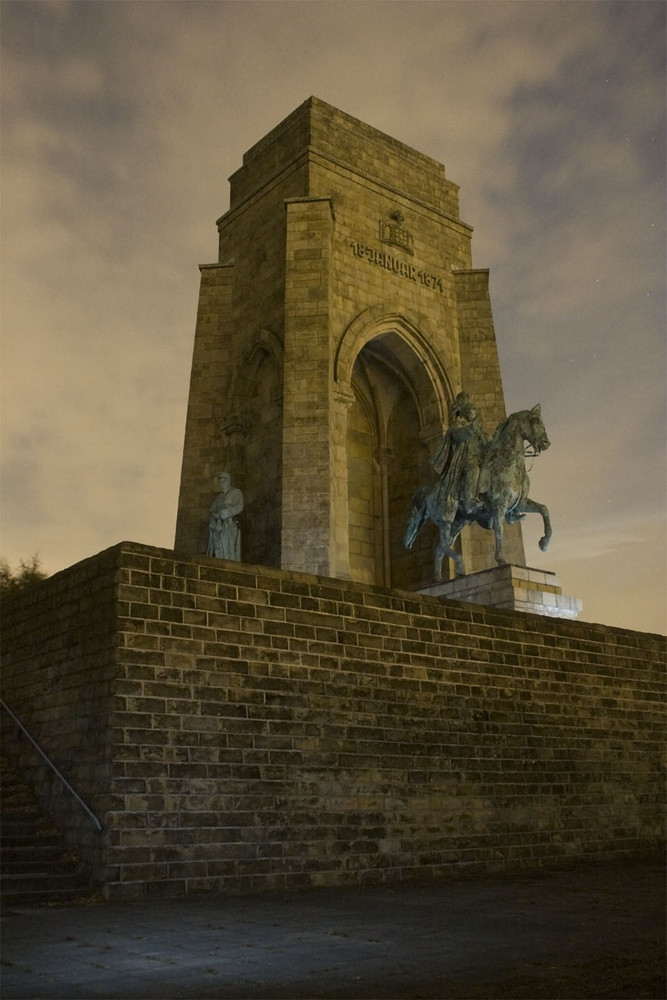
point(26, 575)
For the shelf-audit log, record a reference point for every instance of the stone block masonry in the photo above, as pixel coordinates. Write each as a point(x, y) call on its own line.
point(517, 587)
point(333, 332)
point(246, 728)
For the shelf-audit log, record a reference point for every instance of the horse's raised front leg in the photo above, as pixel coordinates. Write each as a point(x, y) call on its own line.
point(533, 507)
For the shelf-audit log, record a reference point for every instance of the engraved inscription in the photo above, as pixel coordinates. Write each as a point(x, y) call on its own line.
point(382, 258)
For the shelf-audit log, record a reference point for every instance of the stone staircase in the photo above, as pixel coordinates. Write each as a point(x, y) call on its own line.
point(36, 866)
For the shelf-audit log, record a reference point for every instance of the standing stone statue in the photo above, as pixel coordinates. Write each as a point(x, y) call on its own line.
point(224, 532)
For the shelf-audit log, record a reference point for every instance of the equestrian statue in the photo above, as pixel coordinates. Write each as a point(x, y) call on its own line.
point(480, 481)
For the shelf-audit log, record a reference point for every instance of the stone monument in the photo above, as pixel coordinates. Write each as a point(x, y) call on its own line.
point(480, 481)
point(339, 322)
point(342, 318)
point(485, 482)
point(224, 531)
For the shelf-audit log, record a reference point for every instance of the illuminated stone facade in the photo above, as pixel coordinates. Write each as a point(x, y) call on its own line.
point(341, 319)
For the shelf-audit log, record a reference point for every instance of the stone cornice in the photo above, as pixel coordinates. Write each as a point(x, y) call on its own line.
point(310, 153)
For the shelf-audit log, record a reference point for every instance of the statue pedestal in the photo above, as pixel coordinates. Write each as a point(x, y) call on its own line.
point(517, 588)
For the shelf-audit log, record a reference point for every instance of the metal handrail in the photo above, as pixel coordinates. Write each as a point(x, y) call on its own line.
point(63, 779)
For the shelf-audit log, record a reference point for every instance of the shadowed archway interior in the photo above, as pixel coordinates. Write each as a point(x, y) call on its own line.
point(388, 449)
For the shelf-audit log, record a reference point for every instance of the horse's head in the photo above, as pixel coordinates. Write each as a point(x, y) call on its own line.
point(534, 431)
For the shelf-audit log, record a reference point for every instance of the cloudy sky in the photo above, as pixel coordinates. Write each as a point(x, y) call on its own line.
point(122, 122)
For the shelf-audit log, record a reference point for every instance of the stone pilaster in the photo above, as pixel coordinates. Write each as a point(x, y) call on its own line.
point(205, 450)
point(306, 494)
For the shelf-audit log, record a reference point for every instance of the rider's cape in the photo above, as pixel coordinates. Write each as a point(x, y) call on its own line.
point(449, 462)
point(443, 455)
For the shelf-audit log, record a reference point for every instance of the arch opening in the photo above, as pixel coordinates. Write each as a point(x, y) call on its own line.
point(393, 423)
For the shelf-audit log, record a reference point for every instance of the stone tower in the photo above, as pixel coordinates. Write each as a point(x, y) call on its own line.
point(339, 322)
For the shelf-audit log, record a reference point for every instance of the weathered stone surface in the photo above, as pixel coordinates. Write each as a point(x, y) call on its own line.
point(513, 587)
point(341, 319)
point(303, 730)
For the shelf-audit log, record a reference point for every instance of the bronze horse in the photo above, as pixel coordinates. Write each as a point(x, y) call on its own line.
point(502, 491)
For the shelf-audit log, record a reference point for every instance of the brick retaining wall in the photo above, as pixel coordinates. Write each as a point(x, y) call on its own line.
point(272, 729)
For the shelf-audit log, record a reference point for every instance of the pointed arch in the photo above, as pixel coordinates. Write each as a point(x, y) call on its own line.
point(412, 347)
point(265, 346)
point(385, 363)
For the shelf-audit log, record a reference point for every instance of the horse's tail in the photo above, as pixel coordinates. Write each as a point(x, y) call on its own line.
point(417, 517)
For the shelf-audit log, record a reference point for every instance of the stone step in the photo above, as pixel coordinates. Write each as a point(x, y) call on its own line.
point(34, 861)
point(47, 896)
point(30, 852)
point(42, 881)
point(32, 820)
point(36, 864)
point(17, 798)
point(26, 838)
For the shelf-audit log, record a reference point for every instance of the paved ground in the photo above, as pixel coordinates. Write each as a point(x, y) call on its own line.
point(594, 932)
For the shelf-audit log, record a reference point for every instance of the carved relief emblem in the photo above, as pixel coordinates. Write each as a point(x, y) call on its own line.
point(393, 232)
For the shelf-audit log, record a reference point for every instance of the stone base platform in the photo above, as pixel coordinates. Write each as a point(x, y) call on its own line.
point(517, 588)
